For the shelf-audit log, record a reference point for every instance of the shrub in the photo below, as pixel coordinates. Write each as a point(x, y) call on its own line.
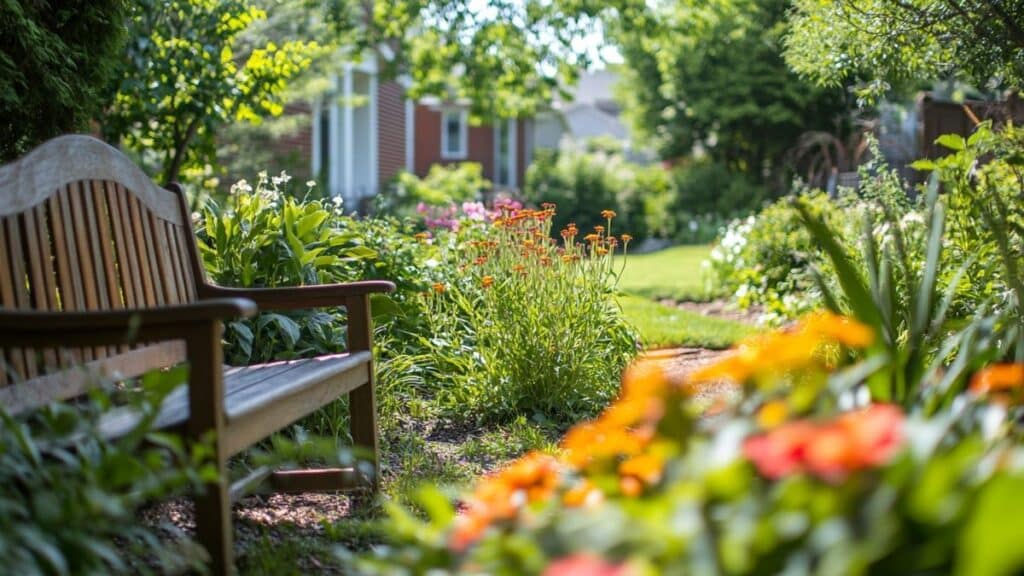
point(709, 193)
point(538, 321)
point(69, 497)
point(443, 186)
point(798, 474)
point(766, 260)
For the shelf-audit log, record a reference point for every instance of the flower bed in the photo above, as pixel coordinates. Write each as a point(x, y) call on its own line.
point(805, 473)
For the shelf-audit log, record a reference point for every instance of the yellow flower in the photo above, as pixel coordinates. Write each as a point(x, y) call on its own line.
point(487, 281)
point(839, 329)
point(772, 414)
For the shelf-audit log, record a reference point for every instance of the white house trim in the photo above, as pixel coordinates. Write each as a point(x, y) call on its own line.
point(374, 152)
point(410, 135)
point(348, 184)
point(315, 160)
point(333, 143)
point(463, 150)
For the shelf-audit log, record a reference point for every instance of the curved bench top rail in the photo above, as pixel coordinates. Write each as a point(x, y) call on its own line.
point(73, 158)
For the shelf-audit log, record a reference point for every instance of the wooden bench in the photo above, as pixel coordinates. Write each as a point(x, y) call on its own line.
point(99, 268)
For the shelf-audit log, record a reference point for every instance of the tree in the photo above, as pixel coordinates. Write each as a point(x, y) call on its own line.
point(888, 44)
point(55, 59)
point(712, 76)
point(183, 79)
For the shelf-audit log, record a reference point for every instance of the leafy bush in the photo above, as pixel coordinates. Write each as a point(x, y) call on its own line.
point(535, 321)
point(800, 474)
point(443, 185)
point(69, 497)
point(707, 194)
point(766, 260)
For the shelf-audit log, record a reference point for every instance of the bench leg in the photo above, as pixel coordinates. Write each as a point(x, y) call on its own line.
point(362, 402)
point(206, 424)
point(213, 524)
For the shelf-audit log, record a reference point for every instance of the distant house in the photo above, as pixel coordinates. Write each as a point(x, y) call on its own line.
point(364, 131)
point(591, 113)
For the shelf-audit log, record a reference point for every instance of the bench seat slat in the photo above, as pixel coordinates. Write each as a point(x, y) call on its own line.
point(310, 384)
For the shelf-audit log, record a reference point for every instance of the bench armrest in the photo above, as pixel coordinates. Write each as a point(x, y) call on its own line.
point(314, 296)
point(98, 328)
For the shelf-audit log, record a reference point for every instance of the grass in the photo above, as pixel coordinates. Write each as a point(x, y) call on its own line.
point(674, 273)
point(662, 326)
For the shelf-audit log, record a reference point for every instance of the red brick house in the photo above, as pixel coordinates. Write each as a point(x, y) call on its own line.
point(364, 131)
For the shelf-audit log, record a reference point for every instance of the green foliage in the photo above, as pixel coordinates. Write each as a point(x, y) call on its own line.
point(188, 72)
point(707, 194)
point(540, 331)
point(444, 185)
point(712, 76)
point(767, 260)
point(580, 182)
point(69, 497)
point(884, 45)
point(55, 61)
point(794, 474)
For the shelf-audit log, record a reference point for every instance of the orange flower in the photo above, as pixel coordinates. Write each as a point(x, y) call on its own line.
point(487, 281)
point(583, 494)
point(480, 260)
point(599, 229)
point(608, 214)
point(592, 238)
point(601, 251)
point(439, 288)
point(998, 377)
point(519, 268)
point(422, 236)
point(547, 205)
point(840, 329)
point(626, 238)
point(647, 468)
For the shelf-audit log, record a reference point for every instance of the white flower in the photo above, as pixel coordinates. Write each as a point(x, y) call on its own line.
point(338, 200)
point(310, 183)
point(281, 179)
point(241, 187)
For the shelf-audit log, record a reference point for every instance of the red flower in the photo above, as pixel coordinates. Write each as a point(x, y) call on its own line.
point(582, 564)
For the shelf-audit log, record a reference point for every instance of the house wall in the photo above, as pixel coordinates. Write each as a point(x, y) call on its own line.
point(292, 151)
point(391, 124)
point(479, 149)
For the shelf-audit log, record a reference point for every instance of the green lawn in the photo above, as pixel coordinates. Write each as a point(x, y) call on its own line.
point(662, 326)
point(671, 273)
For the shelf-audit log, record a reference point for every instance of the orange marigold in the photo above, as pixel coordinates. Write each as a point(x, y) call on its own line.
point(626, 238)
point(439, 287)
point(599, 229)
point(487, 281)
point(608, 214)
point(592, 238)
point(839, 329)
point(998, 377)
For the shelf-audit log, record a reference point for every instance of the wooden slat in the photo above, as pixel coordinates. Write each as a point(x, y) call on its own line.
point(104, 252)
point(78, 196)
point(72, 297)
point(22, 359)
point(96, 218)
point(6, 295)
point(175, 260)
point(163, 261)
point(153, 296)
point(183, 241)
point(127, 261)
point(78, 380)
point(49, 274)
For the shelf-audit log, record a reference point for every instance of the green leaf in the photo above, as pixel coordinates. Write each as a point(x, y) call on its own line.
point(991, 541)
point(952, 141)
point(361, 252)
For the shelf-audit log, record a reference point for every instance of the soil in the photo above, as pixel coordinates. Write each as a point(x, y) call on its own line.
point(718, 309)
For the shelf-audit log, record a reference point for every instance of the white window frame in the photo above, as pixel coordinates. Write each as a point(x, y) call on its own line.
point(462, 152)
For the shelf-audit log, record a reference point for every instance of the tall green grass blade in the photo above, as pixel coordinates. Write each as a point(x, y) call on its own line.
point(850, 280)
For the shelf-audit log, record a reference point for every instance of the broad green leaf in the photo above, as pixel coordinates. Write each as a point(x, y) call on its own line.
point(991, 541)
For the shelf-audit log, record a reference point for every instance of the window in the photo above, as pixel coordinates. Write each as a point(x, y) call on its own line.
point(453, 134)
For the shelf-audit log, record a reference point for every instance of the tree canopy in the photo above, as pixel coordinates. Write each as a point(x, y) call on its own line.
point(711, 75)
point(885, 44)
point(56, 59)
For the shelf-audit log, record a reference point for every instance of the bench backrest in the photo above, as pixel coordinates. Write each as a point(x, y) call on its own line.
point(83, 228)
